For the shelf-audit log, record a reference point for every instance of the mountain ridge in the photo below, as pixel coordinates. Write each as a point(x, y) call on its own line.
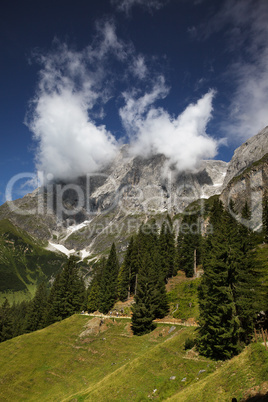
point(88, 214)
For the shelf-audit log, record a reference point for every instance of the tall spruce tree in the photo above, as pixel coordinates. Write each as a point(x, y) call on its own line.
point(127, 274)
point(189, 244)
point(219, 324)
point(35, 318)
point(159, 293)
point(151, 298)
point(109, 283)
point(247, 291)
point(143, 310)
point(167, 248)
point(5, 322)
point(94, 289)
point(229, 294)
point(67, 294)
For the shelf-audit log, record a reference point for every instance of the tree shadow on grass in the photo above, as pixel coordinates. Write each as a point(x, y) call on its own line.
point(257, 398)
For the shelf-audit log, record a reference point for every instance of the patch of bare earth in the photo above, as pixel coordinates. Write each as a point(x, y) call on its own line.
point(95, 326)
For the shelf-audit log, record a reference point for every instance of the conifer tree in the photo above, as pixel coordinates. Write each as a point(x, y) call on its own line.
point(37, 309)
point(94, 290)
point(127, 274)
point(5, 322)
point(229, 295)
point(189, 244)
point(109, 283)
point(67, 294)
point(247, 290)
point(151, 298)
point(219, 324)
point(143, 309)
point(167, 248)
point(159, 294)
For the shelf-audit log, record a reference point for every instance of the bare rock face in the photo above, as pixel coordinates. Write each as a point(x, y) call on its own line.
point(250, 186)
point(249, 152)
point(144, 185)
point(110, 205)
point(114, 201)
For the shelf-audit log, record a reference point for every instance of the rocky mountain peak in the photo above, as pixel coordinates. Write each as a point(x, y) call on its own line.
point(249, 152)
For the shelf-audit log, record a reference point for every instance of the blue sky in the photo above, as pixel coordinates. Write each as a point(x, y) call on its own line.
point(188, 78)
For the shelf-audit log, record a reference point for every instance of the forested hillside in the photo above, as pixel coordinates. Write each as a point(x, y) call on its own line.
point(232, 290)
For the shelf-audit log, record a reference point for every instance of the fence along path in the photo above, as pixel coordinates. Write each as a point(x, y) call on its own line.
point(157, 321)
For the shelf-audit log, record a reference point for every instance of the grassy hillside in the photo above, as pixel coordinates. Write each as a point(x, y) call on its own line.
point(81, 359)
point(105, 363)
point(23, 263)
point(242, 377)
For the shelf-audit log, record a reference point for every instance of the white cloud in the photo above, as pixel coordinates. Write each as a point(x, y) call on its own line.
point(70, 144)
point(150, 5)
point(249, 106)
point(139, 68)
point(152, 130)
point(71, 85)
point(246, 30)
point(74, 86)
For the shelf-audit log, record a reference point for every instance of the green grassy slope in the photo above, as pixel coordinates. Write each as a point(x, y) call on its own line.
point(23, 263)
point(56, 364)
point(241, 377)
point(77, 360)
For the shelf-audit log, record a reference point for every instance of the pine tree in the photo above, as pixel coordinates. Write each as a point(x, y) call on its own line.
point(151, 298)
point(127, 274)
point(247, 290)
point(144, 308)
point(36, 310)
point(159, 293)
point(5, 322)
point(67, 294)
point(167, 248)
point(189, 244)
point(219, 325)
point(109, 283)
point(94, 295)
point(229, 294)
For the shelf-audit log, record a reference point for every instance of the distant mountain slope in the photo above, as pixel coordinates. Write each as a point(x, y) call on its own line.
point(23, 263)
point(95, 210)
point(118, 198)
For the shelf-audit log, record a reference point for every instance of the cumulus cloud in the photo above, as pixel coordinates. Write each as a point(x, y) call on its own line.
point(246, 27)
point(150, 5)
point(249, 106)
point(182, 139)
point(72, 89)
point(72, 94)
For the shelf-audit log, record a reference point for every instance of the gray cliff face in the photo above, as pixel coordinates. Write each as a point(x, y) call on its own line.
point(249, 152)
point(150, 185)
point(250, 186)
point(130, 189)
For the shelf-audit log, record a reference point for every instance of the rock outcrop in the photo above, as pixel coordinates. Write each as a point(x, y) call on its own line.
point(251, 151)
point(250, 186)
